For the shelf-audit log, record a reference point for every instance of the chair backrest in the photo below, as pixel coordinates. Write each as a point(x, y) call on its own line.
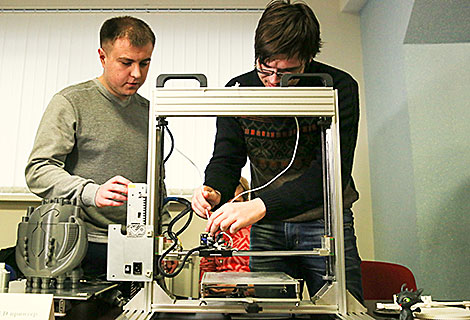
point(381, 280)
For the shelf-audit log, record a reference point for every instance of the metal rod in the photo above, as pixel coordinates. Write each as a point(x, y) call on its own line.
point(159, 175)
point(329, 270)
point(249, 253)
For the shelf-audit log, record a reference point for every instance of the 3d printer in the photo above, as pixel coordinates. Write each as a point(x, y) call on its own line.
point(137, 255)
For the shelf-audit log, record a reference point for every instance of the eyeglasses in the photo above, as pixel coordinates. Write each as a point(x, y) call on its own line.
point(269, 73)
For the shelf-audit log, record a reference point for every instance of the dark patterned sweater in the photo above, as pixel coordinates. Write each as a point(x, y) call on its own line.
point(268, 142)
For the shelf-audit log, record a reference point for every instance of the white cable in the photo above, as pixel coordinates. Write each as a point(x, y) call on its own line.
point(230, 238)
point(280, 173)
point(190, 161)
point(194, 165)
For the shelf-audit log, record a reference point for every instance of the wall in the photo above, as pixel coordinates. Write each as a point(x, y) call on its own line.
point(383, 28)
point(340, 33)
point(418, 105)
point(44, 52)
point(11, 212)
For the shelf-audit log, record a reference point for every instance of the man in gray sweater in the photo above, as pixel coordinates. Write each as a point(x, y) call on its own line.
point(92, 140)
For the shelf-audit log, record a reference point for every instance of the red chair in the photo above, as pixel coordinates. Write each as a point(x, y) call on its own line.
point(381, 280)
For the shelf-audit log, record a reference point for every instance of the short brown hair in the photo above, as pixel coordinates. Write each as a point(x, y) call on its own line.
point(287, 29)
point(137, 31)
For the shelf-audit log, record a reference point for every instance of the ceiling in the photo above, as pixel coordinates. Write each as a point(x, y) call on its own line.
point(350, 6)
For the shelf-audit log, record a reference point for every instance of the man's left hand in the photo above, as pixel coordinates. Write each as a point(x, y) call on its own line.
point(112, 193)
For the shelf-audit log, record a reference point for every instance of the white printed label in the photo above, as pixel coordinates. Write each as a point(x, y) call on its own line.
point(26, 306)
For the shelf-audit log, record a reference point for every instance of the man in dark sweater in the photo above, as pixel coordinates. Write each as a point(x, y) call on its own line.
point(286, 214)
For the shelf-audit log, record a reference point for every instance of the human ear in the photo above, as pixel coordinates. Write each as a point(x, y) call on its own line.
point(102, 55)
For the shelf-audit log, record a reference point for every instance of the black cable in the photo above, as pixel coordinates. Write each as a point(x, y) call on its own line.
point(174, 236)
point(172, 147)
point(180, 267)
point(177, 218)
point(180, 215)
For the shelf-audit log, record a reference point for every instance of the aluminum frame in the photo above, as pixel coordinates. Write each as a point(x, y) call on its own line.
point(333, 298)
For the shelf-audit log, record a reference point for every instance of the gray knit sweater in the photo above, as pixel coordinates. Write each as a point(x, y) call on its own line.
point(87, 136)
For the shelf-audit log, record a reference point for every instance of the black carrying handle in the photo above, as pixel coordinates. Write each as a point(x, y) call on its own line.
point(161, 79)
point(325, 78)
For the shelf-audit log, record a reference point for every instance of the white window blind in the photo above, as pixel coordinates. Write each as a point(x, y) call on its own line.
point(43, 52)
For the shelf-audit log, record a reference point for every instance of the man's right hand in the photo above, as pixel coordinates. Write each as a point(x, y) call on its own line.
point(112, 193)
point(204, 199)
